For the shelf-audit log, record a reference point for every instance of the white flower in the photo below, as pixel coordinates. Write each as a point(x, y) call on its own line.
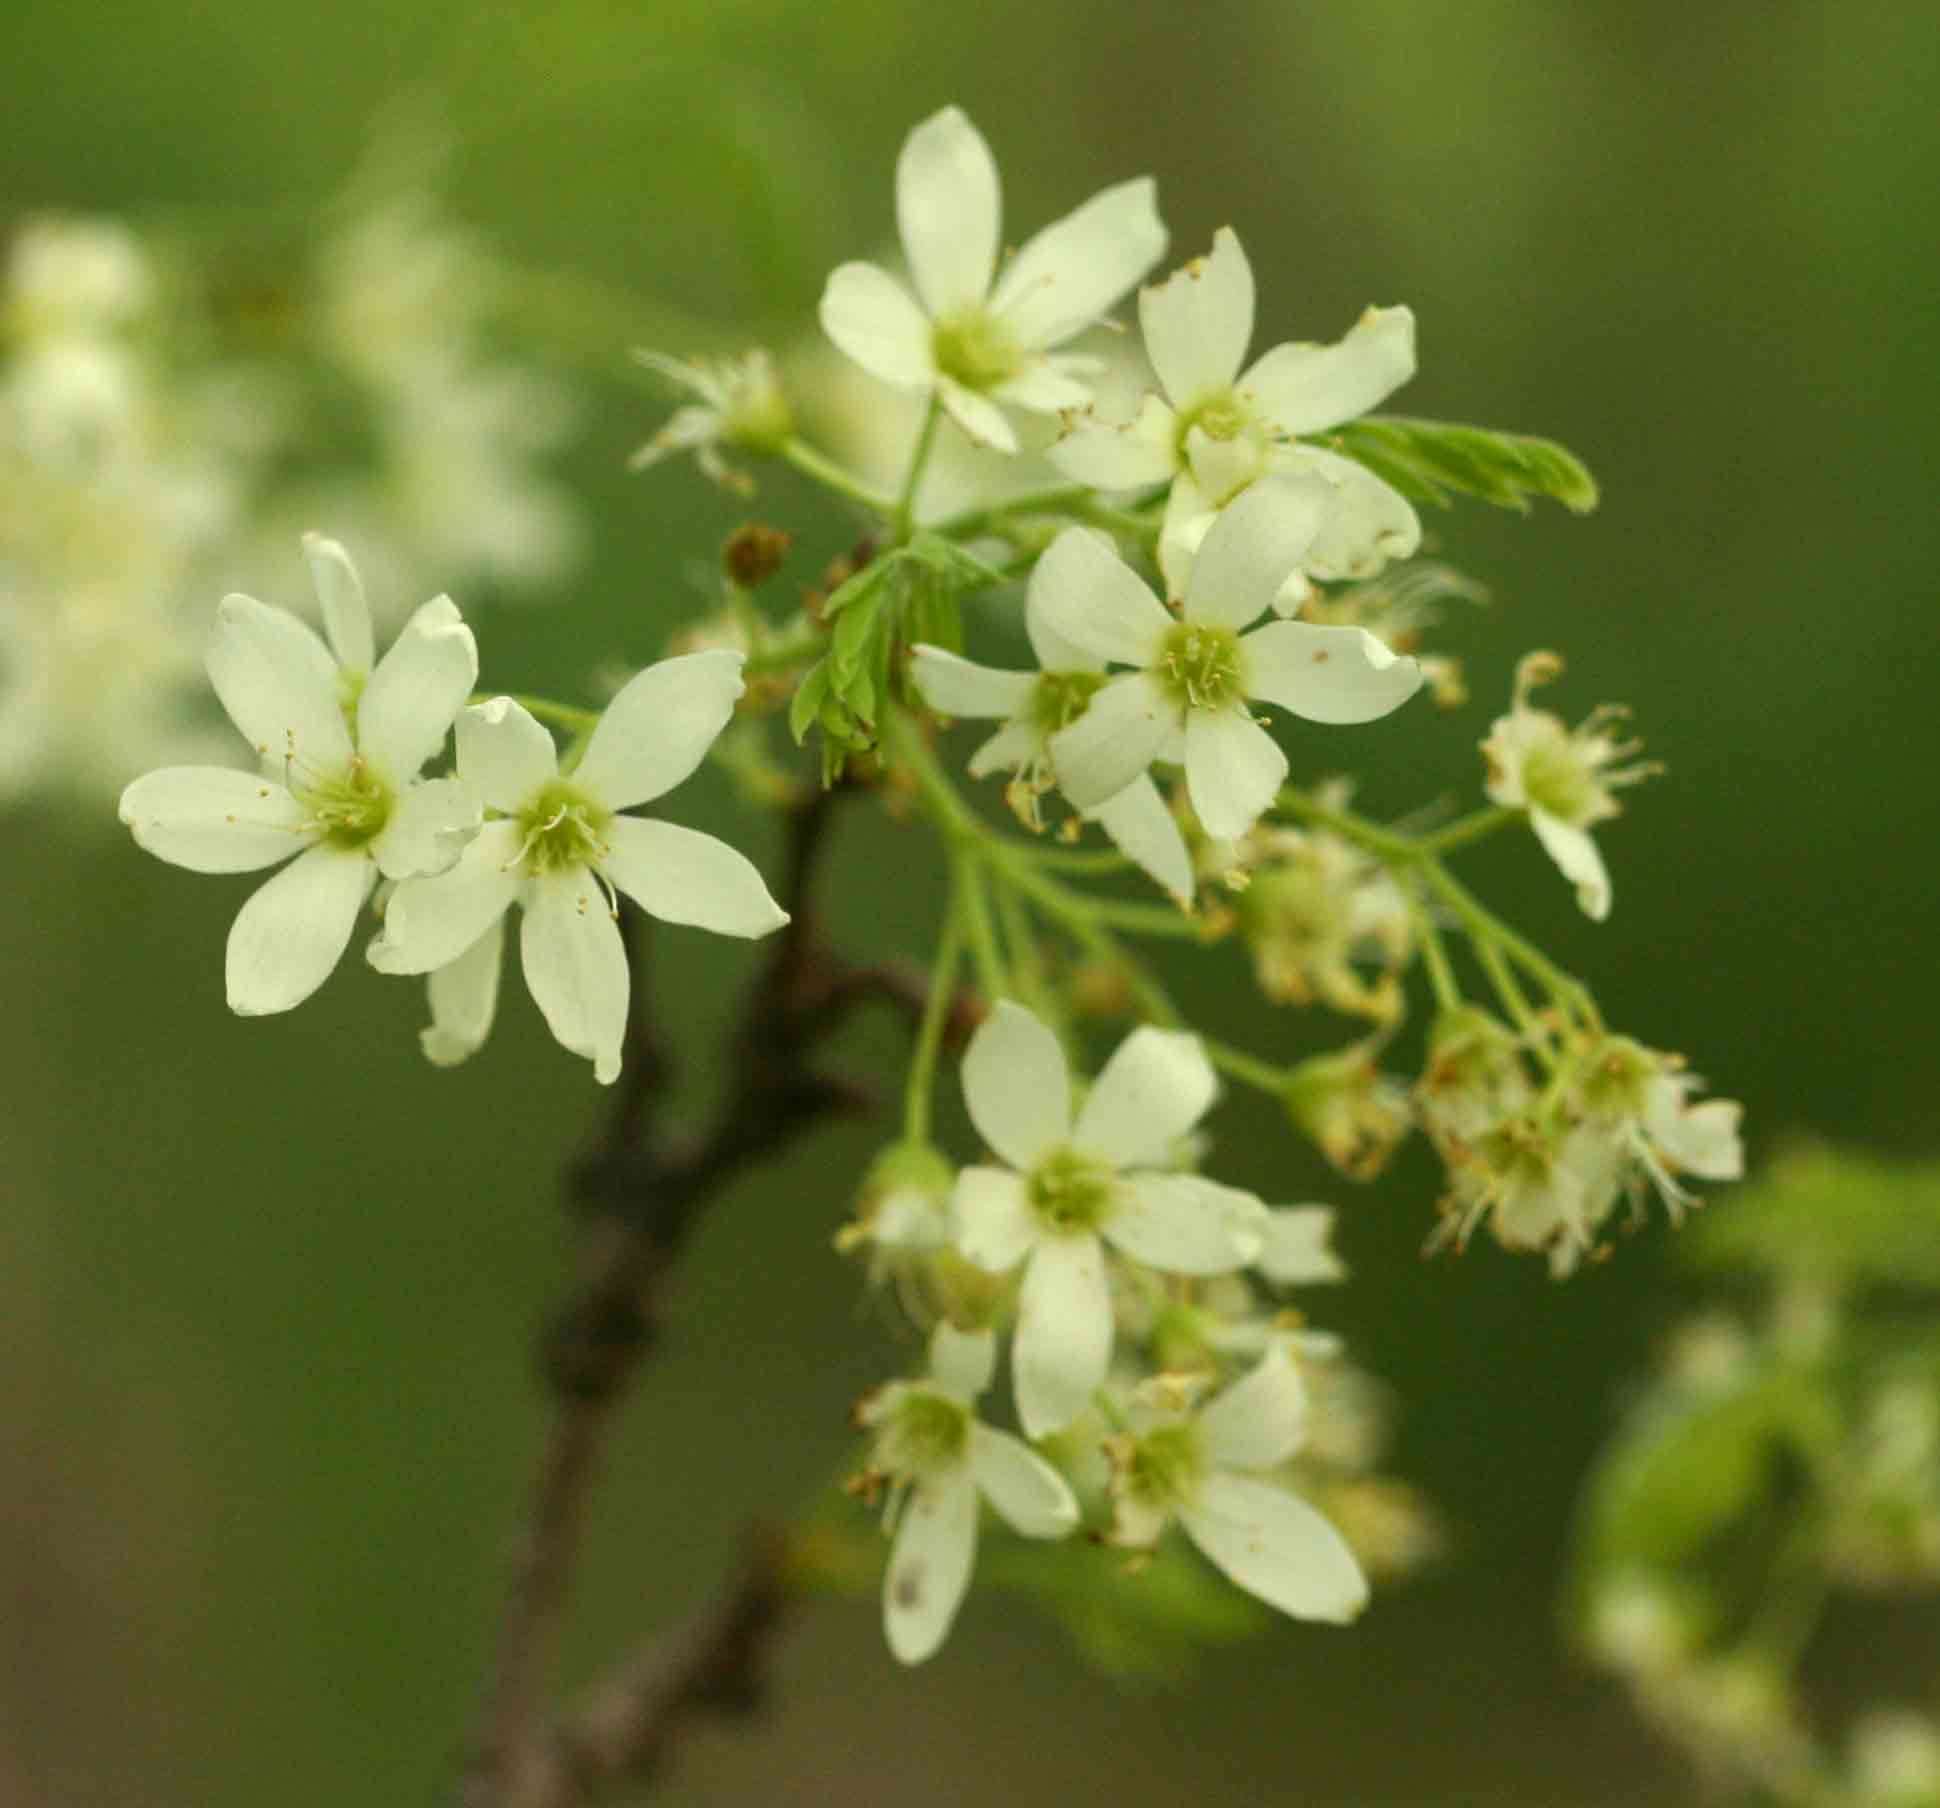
point(75, 278)
point(1188, 699)
point(1071, 1187)
point(1207, 1470)
point(741, 404)
point(555, 842)
point(1641, 1099)
point(1036, 705)
point(1216, 429)
point(341, 746)
point(943, 1461)
point(977, 336)
point(1562, 777)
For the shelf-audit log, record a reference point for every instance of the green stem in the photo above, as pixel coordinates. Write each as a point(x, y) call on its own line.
point(1441, 974)
point(1465, 829)
point(1072, 500)
point(974, 903)
point(1076, 860)
point(1249, 1070)
point(822, 469)
point(917, 1095)
point(919, 458)
point(1026, 957)
point(794, 643)
point(1386, 843)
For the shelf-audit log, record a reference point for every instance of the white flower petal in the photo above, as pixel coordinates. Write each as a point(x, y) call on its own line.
point(1120, 455)
point(1156, 1086)
point(1111, 744)
point(930, 1564)
point(949, 211)
point(659, 728)
point(279, 684)
point(873, 319)
point(1185, 1224)
point(1702, 1139)
point(1297, 1249)
point(429, 923)
point(993, 1225)
point(464, 999)
point(1086, 594)
point(1052, 650)
point(1044, 388)
point(293, 931)
point(1261, 1420)
point(1309, 388)
point(212, 819)
point(429, 826)
point(504, 754)
point(1332, 675)
point(1576, 854)
point(1368, 522)
point(1256, 544)
point(1015, 744)
point(1026, 1491)
point(1073, 271)
point(1275, 1546)
point(962, 1362)
point(1234, 769)
point(1016, 1085)
point(575, 966)
point(977, 415)
point(682, 876)
point(1199, 321)
point(340, 592)
point(1148, 834)
point(1189, 516)
point(959, 687)
point(1064, 1329)
point(415, 694)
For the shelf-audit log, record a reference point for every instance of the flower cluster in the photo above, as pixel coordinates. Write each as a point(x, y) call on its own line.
point(342, 740)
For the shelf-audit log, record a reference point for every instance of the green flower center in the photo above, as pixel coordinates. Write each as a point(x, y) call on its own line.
point(977, 349)
point(1166, 1466)
point(1062, 697)
point(563, 827)
point(1202, 666)
point(350, 807)
point(1069, 1192)
point(926, 1432)
point(1220, 417)
point(1557, 778)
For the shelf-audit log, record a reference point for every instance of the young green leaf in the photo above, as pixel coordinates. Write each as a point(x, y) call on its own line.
point(1434, 461)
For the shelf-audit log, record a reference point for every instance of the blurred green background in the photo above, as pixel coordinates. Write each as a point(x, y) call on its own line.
point(267, 1289)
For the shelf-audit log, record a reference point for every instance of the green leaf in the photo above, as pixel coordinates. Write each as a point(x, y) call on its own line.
point(908, 594)
point(1434, 461)
point(1829, 1216)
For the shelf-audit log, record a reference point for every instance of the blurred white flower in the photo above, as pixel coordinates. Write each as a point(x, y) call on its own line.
point(941, 1461)
point(556, 843)
point(1562, 777)
point(345, 743)
point(1208, 1468)
point(740, 403)
point(1217, 428)
point(1071, 1186)
point(1187, 701)
point(979, 336)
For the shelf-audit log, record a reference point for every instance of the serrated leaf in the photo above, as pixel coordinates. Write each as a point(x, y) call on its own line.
point(1434, 461)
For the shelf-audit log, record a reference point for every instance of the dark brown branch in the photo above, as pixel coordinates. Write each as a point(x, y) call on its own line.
point(641, 1197)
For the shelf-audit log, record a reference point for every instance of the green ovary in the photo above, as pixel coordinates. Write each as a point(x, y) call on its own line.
point(977, 350)
point(562, 828)
point(1062, 697)
point(1069, 1192)
point(926, 1433)
point(1203, 667)
point(1220, 417)
point(349, 808)
point(1556, 778)
point(1166, 1466)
